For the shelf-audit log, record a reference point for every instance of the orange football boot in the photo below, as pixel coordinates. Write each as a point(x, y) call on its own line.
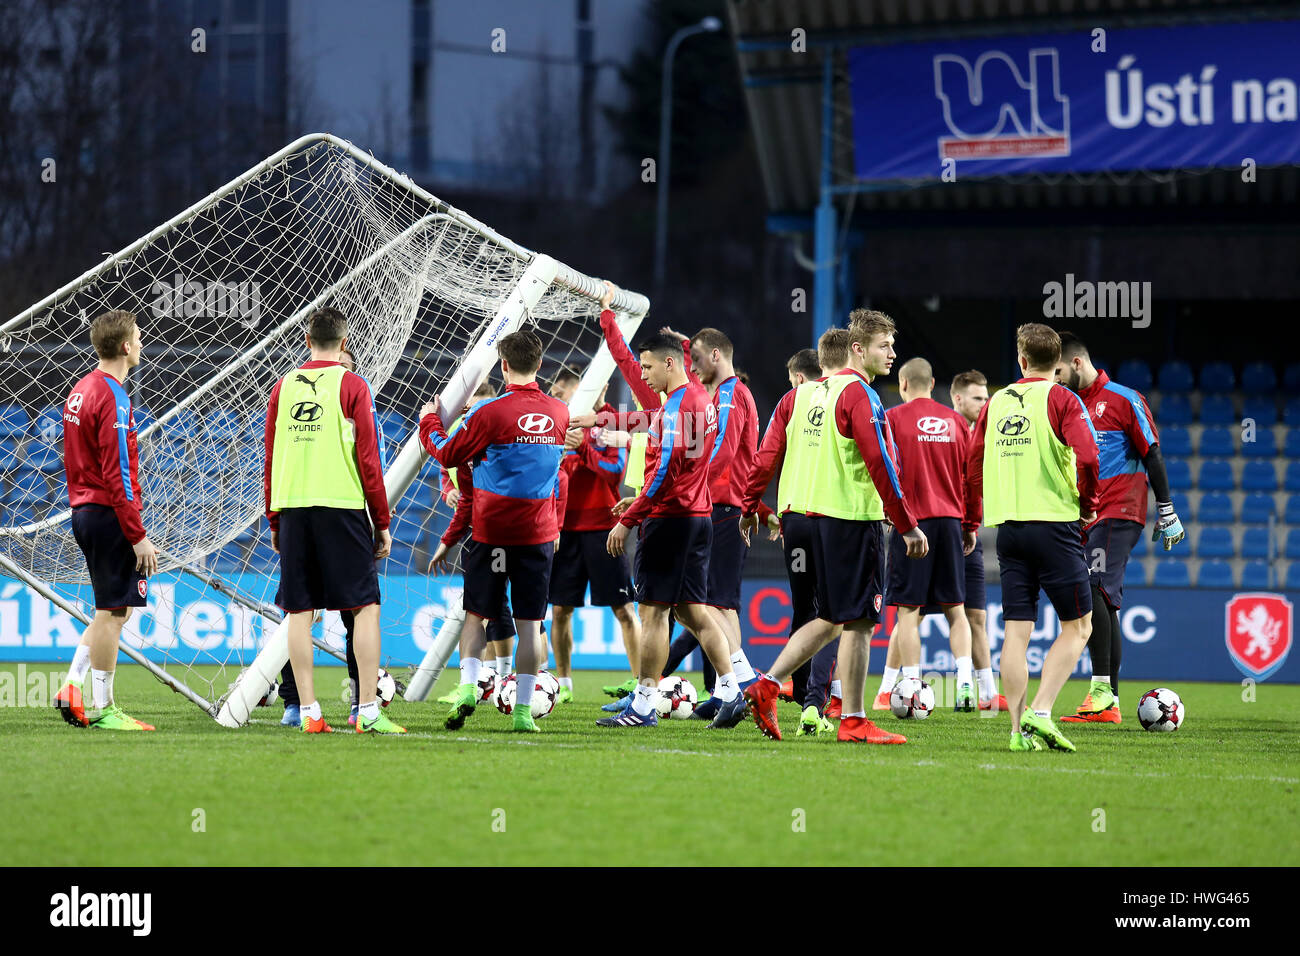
point(1110, 715)
point(833, 710)
point(71, 706)
point(859, 729)
point(787, 691)
point(316, 725)
point(881, 702)
point(998, 703)
point(762, 695)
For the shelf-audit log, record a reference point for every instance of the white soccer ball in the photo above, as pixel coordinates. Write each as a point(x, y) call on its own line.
point(386, 687)
point(1161, 710)
point(677, 698)
point(545, 693)
point(911, 699)
point(487, 685)
point(270, 697)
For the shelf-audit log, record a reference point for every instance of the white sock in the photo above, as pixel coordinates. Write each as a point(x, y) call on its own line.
point(369, 711)
point(503, 666)
point(80, 663)
point(566, 682)
point(643, 699)
point(912, 670)
point(309, 711)
point(1101, 678)
point(835, 689)
point(728, 688)
point(1045, 714)
point(524, 684)
point(741, 667)
point(470, 669)
point(856, 713)
point(887, 682)
point(102, 682)
point(988, 686)
point(964, 671)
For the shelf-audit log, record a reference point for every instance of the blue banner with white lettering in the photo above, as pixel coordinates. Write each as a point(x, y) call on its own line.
point(1187, 97)
point(1169, 633)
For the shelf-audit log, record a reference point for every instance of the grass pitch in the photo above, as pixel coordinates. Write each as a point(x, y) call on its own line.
point(1220, 791)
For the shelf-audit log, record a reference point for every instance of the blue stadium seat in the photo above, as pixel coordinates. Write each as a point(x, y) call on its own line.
point(1293, 576)
point(407, 531)
point(28, 487)
point(1183, 504)
point(11, 455)
point(13, 516)
point(1291, 379)
point(1180, 474)
point(1172, 573)
point(1291, 447)
point(213, 459)
point(229, 559)
point(1218, 410)
point(1258, 378)
point(1259, 476)
point(14, 421)
point(47, 426)
point(1135, 574)
point(1216, 476)
point(394, 426)
point(1217, 377)
point(262, 558)
point(1176, 440)
point(1293, 544)
point(249, 534)
point(1292, 513)
point(1256, 576)
point(1177, 410)
point(1216, 508)
point(222, 424)
point(1217, 443)
point(47, 458)
point(1264, 445)
point(1263, 411)
point(1213, 574)
point(1291, 413)
point(1214, 542)
point(1255, 543)
point(1257, 508)
point(1136, 374)
point(1292, 480)
point(1174, 376)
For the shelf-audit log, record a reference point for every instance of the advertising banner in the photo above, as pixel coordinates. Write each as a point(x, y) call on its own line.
point(1169, 633)
point(1185, 97)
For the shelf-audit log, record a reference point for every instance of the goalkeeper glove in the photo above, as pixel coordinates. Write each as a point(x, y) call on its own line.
point(1168, 528)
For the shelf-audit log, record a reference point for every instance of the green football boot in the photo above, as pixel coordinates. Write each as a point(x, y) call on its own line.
point(380, 725)
point(113, 717)
point(620, 691)
point(462, 706)
point(450, 698)
point(965, 702)
point(809, 722)
point(1021, 741)
point(522, 722)
point(1043, 727)
point(566, 695)
point(1102, 696)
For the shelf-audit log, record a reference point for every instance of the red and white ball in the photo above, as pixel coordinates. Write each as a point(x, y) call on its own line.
point(911, 699)
point(1161, 711)
point(677, 698)
point(545, 692)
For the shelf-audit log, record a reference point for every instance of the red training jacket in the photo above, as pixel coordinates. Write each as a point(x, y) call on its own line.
point(931, 440)
point(100, 455)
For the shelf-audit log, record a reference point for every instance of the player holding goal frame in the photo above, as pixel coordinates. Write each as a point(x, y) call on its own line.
point(323, 468)
point(101, 459)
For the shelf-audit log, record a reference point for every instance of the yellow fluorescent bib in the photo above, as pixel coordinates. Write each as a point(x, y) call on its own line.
point(314, 462)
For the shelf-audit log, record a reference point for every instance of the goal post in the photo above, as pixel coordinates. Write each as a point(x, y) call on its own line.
point(222, 290)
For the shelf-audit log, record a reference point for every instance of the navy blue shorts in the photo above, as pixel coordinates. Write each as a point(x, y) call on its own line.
point(327, 560)
point(797, 543)
point(488, 568)
point(848, 559)
point(502, 628)
point(939, 578)
point(581, 559)
point(1109, 543)
point(1047, 555)
point(726, 558)
point(672, 560)
point(109, 558)
point(976, 596)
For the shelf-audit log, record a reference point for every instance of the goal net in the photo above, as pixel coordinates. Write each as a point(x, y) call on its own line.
point(222, 292)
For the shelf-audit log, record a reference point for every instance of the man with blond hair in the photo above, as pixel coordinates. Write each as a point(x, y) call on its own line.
point(1032, 470)
point(840, 466)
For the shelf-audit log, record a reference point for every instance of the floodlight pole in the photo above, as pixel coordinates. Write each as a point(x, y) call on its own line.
point(707, 25)
point(824, 225)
